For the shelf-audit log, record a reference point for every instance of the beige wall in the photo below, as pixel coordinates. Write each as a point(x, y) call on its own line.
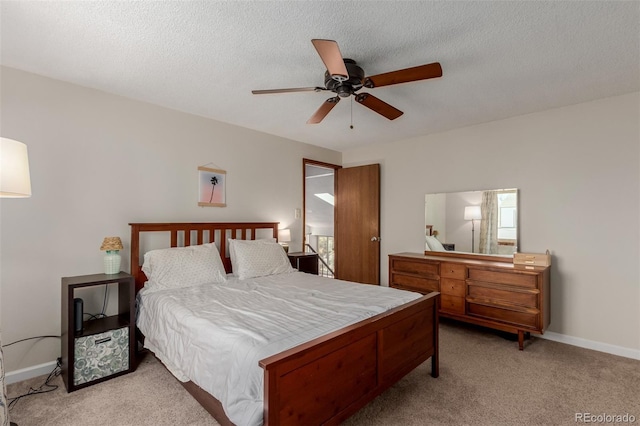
point(578, 172)
point(100, 161)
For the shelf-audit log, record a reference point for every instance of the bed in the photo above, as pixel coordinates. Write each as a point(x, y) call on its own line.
point(323, 380)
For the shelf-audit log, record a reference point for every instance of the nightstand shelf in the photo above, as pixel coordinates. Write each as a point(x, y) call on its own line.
point(104, 348)
point(304, 262)
point(101, 325)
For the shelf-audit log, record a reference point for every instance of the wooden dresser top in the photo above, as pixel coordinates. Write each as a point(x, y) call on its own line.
point(467, 259)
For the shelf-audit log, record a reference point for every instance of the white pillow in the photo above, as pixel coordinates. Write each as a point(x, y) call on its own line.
point(178, 267)
point(232, 253)
point(258, 258)
point(434, 244)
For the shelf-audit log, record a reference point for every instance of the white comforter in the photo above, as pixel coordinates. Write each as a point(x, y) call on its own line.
point(215, 334)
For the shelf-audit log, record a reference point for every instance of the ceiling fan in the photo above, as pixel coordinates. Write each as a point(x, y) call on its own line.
point(345, 78)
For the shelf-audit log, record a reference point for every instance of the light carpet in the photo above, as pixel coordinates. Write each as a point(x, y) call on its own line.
point(484, 380)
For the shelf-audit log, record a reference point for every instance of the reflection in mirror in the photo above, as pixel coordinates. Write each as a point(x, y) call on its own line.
point(483, 222)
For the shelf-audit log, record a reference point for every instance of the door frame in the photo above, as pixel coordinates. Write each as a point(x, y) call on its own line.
point(311, 162)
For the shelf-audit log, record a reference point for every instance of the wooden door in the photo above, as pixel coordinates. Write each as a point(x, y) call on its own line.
point(357, 224)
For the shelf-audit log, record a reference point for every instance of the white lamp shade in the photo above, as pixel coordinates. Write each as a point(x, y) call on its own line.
point(284, 235)
point(14, 179)
point(472, 212)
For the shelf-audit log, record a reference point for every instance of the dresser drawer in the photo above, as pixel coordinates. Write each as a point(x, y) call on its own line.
point(454, 304)
point(510, 278)
point(453, 270)
point(521, 318)
point(414, 267)
point(452, 287)
point(425, 285)
point(524, 298)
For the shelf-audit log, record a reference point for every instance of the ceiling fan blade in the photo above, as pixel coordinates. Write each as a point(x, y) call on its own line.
point(376, 105)
point(324, 109)
point(330, 54)
point(421, 72)
point(291, 90)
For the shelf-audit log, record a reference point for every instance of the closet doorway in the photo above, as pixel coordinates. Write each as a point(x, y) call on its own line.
point(319, 186)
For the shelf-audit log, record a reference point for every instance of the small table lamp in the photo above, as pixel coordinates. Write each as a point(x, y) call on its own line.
point(112, 258)
point(284, 236)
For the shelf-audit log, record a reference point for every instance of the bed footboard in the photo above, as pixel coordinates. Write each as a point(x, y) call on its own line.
point(326, 380)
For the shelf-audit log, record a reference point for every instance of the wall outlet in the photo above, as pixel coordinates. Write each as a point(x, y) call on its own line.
point(297, 213)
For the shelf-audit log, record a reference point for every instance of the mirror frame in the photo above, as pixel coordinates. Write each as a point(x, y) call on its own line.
point(472, 255)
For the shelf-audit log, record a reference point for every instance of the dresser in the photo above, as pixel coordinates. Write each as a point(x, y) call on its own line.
point(481, 290)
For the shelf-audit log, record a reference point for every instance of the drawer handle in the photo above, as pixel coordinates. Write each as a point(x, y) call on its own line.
point(101, 341)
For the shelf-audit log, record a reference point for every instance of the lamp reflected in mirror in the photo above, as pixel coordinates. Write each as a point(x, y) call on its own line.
point(472, 213)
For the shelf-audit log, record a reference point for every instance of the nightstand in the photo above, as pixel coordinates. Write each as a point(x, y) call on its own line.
point(104, 347)
point(304, 262)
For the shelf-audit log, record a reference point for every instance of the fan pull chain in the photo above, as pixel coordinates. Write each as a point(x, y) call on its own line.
point(351, 126)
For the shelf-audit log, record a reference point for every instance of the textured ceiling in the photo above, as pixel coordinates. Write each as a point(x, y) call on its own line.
point(499, 59)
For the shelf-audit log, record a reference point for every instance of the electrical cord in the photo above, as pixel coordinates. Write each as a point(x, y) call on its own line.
point(44, 388)
point(95, 316)
point(104, 307)
point(29, 338)
point(57, 370)
point(104, 303)
point(92, 317)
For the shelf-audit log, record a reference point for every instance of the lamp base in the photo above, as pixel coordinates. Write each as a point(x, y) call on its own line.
point(111, 263)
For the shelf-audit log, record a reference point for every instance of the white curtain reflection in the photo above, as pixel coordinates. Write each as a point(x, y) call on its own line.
point(489, 224)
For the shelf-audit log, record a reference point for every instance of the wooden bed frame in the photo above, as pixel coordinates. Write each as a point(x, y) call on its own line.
point(327, 379)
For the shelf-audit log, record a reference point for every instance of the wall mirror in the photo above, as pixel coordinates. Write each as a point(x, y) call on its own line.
point(484, 222)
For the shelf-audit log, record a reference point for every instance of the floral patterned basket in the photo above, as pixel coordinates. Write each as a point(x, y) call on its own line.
point(101, 355)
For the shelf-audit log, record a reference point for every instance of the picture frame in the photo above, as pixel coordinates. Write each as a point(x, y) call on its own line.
point(212, 187)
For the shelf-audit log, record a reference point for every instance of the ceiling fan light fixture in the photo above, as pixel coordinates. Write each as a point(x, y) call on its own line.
point(344, 91)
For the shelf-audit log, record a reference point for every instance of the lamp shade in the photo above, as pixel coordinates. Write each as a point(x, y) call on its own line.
point(472, 212)
point(111, 243)
point(284, 235)
point(14, 169)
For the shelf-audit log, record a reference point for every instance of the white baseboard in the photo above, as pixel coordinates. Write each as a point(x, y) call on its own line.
point(590, 344)
point(29, 372)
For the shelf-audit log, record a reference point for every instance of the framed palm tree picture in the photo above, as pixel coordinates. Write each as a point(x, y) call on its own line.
point(211, 188)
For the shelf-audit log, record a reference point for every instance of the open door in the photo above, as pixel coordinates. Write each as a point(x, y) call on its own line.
point(357, 224)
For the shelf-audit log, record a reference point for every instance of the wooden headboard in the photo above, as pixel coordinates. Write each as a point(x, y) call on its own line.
point(182, 235)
